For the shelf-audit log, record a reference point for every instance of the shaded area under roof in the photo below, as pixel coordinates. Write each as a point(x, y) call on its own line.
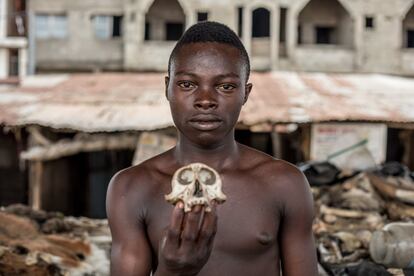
point(108, 102)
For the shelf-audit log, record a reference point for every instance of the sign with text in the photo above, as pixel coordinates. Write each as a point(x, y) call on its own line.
point(349, 145)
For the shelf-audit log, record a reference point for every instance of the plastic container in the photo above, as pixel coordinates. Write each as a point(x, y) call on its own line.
point(393, 246)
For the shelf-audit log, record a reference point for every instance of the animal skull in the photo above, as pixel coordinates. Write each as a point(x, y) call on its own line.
point(196, 184)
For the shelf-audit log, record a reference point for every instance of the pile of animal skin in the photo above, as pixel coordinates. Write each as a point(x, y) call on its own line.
point(364, 221)
point(39, 243)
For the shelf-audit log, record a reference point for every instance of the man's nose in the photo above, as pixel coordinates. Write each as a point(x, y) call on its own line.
point(205, 100)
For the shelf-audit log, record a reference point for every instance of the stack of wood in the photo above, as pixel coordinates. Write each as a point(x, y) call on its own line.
point(349, 212)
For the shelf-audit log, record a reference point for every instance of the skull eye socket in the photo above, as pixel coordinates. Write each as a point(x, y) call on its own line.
point(185, 177)
point(207, 177)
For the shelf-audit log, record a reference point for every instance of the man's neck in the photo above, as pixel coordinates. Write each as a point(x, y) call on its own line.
point(220, 156)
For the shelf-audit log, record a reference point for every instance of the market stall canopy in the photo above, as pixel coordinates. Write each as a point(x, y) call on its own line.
point(108, 102)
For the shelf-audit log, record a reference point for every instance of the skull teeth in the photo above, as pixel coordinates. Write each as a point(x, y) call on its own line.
point(200, 201)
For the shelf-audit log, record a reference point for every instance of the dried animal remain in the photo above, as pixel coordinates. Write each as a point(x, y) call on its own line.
point(196, 184)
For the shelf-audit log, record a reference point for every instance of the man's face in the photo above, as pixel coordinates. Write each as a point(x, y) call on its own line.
point(206, 90)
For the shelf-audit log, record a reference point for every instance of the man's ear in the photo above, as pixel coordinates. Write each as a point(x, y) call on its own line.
point(247, 91)
point(167, 81)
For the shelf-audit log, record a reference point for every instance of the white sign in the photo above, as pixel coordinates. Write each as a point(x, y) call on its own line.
point(350, 145)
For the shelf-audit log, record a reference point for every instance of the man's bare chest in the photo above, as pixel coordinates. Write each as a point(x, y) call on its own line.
point(248, 221)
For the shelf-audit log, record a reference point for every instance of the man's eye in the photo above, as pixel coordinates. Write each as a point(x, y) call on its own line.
point(226, 87)
point(186, 85)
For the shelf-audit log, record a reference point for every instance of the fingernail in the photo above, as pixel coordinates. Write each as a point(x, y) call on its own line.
point(180, 205)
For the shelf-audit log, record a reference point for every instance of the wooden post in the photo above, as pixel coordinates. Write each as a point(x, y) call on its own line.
point(409, 149)
point(35, 185)
point(276, 143)
point(306, 141)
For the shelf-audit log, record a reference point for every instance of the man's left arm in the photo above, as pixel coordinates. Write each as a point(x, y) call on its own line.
point(297, 248)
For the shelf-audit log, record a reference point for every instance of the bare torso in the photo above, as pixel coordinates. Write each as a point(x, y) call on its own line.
point(246, 242)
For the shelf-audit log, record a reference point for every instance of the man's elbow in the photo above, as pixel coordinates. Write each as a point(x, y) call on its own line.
point(127, 264)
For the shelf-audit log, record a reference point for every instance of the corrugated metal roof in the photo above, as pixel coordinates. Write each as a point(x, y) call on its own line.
point(320, 97)
point(136, 101)
point(89, 102)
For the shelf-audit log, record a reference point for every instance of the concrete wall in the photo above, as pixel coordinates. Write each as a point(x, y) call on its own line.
point(81, 49)
point(3, 18)
point(4, 53)
point(326, 58)
point(154, 55)
point(408, 24)
point(379, 49)
point(161, 12)
point(358, 49)
point(4, 62)
point(260, 46)
point(407, 62)
point(8, 42)
point(408, 54)
point(325, 13)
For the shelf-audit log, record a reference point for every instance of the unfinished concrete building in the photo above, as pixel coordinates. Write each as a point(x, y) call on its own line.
point(309, 35)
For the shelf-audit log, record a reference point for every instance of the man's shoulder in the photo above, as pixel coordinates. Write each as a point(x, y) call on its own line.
point(282, 181)
point(139, 178)
point(258, 161)
point(275, 172)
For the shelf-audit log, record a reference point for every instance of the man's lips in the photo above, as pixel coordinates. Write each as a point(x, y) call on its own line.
point(205, 122)
point(205, 118)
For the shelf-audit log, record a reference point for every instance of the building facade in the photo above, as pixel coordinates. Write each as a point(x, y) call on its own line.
point(13, 43)
point(308, 35)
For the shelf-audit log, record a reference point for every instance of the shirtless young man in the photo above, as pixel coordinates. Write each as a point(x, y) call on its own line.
point(264, 227)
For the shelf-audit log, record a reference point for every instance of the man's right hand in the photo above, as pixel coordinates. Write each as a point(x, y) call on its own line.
point(188, 242)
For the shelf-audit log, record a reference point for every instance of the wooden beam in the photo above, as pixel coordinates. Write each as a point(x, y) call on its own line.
point(35, 185)
point(87, 143)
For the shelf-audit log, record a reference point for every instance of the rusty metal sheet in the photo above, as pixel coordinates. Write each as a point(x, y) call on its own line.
point(107, 102)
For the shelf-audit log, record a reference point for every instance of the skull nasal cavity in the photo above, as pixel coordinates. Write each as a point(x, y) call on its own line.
point(198, 192)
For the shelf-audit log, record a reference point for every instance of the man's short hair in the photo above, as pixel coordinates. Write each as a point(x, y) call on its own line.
point(209, 31)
